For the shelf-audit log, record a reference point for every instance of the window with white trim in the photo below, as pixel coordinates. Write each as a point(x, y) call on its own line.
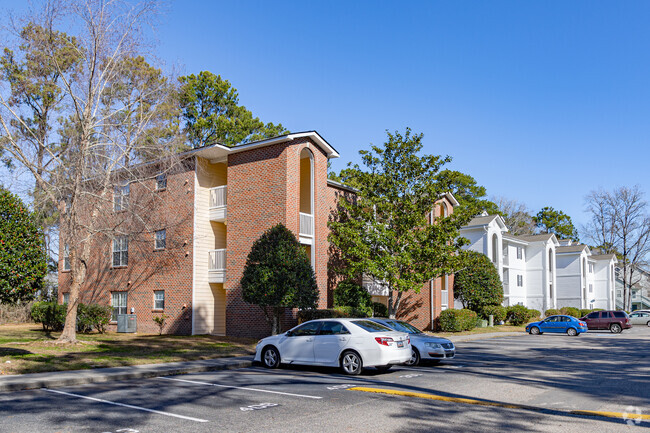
point(158, 299)
point(121, 197)
point(520, 253)
point(591, 288)
point(160, 239)
point(161, 182)
point(591, 268)
point(120, 251)
point(118, 302)
point(520, 280)
point(66, 257)
point(66, 298)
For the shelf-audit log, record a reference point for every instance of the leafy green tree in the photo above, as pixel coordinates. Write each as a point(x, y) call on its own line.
point(469, 194)
point(386, 232)
point(278, 275)
point(350, 294)
point(23, 263)
point(212, 114)
point(549, 220)
point(476, 282)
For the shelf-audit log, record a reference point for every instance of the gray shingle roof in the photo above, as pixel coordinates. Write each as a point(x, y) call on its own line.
point(571, 248)
point(536, 238)
point(481, 220)
point(603, 256)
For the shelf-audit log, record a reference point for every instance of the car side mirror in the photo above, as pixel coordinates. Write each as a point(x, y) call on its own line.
point(289, 334)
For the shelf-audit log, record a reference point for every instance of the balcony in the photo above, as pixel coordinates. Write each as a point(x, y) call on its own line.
point(218, 203)
point(217, 266)
point(505, 260)
point(306, 228)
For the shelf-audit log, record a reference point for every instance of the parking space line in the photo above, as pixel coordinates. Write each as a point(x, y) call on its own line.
point(130, 406)
point(241, 387)
point(594, 413)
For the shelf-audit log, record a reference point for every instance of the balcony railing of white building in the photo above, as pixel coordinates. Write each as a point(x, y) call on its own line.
point(218, 203)
point(217, 266)
point(306, 225)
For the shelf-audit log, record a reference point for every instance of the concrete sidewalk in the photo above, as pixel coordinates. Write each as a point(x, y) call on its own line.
point(79, 377)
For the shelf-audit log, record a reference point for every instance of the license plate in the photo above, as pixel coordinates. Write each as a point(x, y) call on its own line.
point(400, 344)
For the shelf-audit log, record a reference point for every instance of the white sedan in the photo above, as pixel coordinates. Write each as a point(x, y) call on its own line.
point(351, 344)
point(641, 317)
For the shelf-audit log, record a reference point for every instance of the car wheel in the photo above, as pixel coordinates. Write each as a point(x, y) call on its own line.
point(383, 368)
point(534, 331)
point(415, 357)
point(270, 357)
point(571, 332)
point(648, 323)
point(351, 363)
point(615, 328)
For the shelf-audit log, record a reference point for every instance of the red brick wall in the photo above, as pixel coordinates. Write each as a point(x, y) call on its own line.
point(147, 270)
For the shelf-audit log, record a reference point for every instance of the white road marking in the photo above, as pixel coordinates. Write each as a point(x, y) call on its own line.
point(241, 387)
point(144, 409)
point(258, 406)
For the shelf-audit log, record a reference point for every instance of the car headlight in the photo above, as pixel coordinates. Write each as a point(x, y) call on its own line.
point(433, 345)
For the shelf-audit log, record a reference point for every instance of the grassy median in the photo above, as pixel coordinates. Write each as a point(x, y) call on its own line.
point(26, 348)
point(487, 330)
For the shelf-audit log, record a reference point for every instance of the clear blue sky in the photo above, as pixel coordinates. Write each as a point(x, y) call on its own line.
point(539, 101)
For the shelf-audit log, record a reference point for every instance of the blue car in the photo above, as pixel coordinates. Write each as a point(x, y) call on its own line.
point(568, 324)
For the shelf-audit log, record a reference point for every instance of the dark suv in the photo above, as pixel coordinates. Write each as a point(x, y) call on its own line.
point(615, 321)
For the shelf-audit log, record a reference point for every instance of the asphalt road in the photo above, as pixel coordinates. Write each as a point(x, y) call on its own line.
point(481, 390)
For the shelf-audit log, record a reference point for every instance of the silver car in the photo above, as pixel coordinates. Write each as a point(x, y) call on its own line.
point(424, 347)
point(640, 317)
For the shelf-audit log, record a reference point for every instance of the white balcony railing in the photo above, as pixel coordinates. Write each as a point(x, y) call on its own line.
point(218, 196)
point(217, 261)
point(306, 225)
point(218, 203)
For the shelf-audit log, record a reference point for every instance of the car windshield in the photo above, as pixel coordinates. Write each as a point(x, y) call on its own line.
point(403, 327)
point(371, 326)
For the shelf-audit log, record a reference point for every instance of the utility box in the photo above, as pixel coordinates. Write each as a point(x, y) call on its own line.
point(126, 323)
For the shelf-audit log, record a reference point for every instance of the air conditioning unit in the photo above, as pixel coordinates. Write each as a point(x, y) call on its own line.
point(126, 323)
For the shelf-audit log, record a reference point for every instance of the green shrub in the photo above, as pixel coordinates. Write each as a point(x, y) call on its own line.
point(551, 312)
point(457, 320)
point(499, 312)
point(518, 315)
point(584, 312)
point(353, 312)
point(160, 321)
point(570, 311)
point(534, 314)
point(350, 294)
point(329, 313)
point(50, 314)
point(93, 316)
point(379, 309)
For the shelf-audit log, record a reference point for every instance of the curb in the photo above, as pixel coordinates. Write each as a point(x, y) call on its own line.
point(485, 336)
point(98, 375)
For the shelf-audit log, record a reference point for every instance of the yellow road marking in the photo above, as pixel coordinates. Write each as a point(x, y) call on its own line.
point(620, 415)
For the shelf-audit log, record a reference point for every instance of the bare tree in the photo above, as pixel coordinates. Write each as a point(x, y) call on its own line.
point(516, 216)
point(110, 106)
point(620, 224)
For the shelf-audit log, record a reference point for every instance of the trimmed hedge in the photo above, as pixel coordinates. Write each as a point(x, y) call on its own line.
point(52, 316)
point(350, 294)
point(551, 312)
point(457, 320)
point(518, 315)
point(570, 311)
point(379, 310)
point(499, 312)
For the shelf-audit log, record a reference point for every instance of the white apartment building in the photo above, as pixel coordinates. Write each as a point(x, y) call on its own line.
point(540, 271)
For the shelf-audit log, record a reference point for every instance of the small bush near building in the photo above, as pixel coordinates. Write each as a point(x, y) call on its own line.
point(93, 316)
point(49, 314)
point(497, 311)
point(329, 313)
point(570, 311)
point(519, 314)
point(457, 320)
point(534, 314)
point(350, 294)
point(551, 312)
point(379, 309)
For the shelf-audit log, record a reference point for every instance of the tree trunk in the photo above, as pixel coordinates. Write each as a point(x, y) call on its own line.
point(277, 320)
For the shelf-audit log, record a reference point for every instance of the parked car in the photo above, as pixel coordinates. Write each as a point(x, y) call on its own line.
point(423, 347)
point(640, 318)
point(615, 321)
point(559, 323)
point(351, 344)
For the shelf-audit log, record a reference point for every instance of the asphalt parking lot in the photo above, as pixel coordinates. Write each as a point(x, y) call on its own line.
point(521, 383)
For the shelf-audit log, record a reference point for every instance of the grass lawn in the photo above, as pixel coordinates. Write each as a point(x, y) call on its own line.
point(30, 350)
point(487, 330)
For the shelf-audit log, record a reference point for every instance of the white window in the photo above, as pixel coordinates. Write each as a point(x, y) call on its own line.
point(118, 302)
point(591, 288)
point(444, 293)
point(520, 253)
point(66, 298)
point(120, 251)
point(161, 182)
point(66, 257)
point(121, 197)
point(158, 299)
point(591, 268)
point(520, 280)
point(161, 239)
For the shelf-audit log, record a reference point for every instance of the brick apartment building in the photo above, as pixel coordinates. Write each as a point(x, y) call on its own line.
point(188, 259)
